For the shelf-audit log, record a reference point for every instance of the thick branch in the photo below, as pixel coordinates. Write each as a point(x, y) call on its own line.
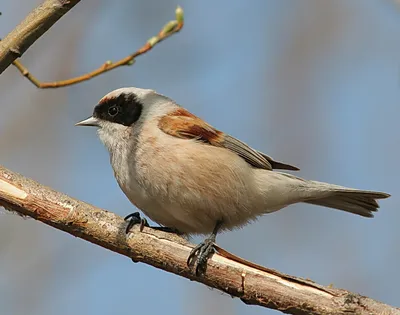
point(31, 28)
point(251, 283)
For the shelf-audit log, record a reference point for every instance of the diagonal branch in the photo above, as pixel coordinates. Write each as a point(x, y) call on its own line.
point(31, 28)
point(169, 29)
point(251, 283)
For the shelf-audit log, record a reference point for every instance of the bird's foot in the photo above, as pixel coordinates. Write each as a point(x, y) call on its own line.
point(203, 252)
point(133, 219)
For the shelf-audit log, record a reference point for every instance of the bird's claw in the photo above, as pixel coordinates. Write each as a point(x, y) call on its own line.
point(203, 252)
point(134, 218)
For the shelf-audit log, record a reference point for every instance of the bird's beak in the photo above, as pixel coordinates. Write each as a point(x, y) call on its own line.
point(91, 121)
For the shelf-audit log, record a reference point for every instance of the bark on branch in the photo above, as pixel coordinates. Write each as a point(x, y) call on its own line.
point(237, 277)
point(31, 28)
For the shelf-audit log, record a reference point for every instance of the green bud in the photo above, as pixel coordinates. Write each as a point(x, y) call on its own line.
point(169, 27)
point(179, 14)
point(152, 41)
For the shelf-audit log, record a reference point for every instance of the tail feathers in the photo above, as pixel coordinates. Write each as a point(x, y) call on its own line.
point(359, 202)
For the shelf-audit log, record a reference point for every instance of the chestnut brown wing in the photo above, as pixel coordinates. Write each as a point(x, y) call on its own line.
point(192, 127)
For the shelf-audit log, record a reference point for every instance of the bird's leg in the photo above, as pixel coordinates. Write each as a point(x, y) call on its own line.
point(204, 250)
point(134, 218)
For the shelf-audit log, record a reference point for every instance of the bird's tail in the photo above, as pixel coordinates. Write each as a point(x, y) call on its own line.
point(361, 202)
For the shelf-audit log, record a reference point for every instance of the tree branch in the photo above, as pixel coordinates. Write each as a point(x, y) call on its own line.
point(31, 28)
point(169, 29)
point(251, 283)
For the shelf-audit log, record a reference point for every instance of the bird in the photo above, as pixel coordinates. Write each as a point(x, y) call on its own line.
point(193, 179)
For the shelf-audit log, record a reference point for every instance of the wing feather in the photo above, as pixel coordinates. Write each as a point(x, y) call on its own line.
point(187, 126)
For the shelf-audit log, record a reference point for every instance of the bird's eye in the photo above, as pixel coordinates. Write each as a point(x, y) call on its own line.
point(112, 111)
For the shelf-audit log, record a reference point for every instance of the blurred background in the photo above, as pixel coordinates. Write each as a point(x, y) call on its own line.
point(314, 83)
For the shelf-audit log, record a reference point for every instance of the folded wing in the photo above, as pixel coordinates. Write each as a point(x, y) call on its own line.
point(187, 126)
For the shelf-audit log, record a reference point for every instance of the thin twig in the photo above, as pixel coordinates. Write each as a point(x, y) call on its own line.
point(252, 283)
point(169, 29)
point(31, 28)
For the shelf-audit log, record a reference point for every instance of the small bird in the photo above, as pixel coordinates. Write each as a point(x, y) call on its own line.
point(194, 179)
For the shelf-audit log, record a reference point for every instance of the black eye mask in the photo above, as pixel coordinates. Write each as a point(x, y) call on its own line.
point(124, 109)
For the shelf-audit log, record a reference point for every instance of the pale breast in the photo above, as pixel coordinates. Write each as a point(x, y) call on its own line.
point(190, 185)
